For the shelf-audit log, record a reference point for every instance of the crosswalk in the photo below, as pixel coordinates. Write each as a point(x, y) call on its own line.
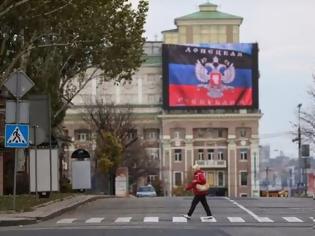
point(180, 219)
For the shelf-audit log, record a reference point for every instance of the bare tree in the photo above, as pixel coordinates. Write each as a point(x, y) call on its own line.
point(112, 125)
point(112, 119)
point(139, 163)
point(308, 118)
point(117, 141)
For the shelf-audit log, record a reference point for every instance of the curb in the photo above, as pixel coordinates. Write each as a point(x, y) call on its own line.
point(63, 210)
point(33, 220)
point(16, 222)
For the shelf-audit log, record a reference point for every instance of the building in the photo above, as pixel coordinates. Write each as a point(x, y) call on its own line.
point(224, 142)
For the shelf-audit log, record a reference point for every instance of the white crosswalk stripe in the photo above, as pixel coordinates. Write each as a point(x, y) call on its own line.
point(66, 221)
point(203, 219)
point(292, 219)
point(236, 219)
point(151, 219)
point(94, 220)
point(123, 219)
point(264, 220)
point(176, 219)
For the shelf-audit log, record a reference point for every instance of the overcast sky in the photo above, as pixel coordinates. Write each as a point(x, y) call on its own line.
point(285, 32)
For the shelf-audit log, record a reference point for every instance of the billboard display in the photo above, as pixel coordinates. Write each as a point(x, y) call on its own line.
point(210, 76)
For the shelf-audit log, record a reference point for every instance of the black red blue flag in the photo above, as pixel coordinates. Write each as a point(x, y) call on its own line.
point(210, 76)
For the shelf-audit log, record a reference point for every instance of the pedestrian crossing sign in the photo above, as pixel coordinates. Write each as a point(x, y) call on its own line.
point(16, 136)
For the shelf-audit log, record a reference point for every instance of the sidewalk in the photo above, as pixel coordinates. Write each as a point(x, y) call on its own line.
point(46, 211)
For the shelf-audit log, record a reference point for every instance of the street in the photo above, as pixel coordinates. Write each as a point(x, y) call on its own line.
point(157, 216)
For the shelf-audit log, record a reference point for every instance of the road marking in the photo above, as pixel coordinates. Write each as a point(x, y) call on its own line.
point(66, 221)
point(236, 219)
point(151, 219)
point(203, 219)
point(292, 219)
point(94, 220)
point(123, 220)
point(264, 220)
point(312, 218)
point(256, 217)
point(179, 219)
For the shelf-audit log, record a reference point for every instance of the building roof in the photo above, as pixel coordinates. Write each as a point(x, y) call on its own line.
point(208, 15)
point(208, 11)
point(170, 31)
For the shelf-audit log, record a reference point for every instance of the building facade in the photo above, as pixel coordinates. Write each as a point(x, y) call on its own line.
point(225, 143)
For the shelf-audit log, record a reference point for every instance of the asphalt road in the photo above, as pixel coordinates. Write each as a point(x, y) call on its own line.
point(162, 216)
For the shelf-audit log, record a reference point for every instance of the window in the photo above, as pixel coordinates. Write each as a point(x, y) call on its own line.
point(152, 178)
point(66, 132)
point(200, 154)
point(153, 153)
point(244, 154)
point(244, 178)
point(176, 134)
point(220, 179)
point(151, 134)
point(210, 154)
point(243, 194)
point(82, 135)
point(220, 156)
point(178, 155)
point(243, 133)
point(178, 178)
point(199, 132)
point(220, 133)
point(132, 134)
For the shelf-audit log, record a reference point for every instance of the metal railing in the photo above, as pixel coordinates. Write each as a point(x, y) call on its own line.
point(211, 163)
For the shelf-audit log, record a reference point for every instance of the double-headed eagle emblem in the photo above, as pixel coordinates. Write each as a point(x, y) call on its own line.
point(215, 76)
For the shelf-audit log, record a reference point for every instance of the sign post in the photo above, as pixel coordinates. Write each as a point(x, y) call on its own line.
point(17, 135)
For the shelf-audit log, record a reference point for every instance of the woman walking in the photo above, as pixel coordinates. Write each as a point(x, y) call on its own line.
point(200, 195)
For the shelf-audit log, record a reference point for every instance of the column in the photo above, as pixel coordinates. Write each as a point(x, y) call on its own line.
point(140, 90)
point(254, 147)
point(166, 166)
point(232, 167)
point(189, 155)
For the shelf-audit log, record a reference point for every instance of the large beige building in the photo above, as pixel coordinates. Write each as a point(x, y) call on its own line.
point(225, 143)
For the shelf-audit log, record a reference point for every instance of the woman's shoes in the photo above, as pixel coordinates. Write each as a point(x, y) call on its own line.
point(187, 217)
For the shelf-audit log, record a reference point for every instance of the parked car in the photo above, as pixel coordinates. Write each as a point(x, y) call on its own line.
point(146, 191)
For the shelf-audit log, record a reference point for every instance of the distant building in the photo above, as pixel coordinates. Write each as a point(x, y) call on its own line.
point(225, 143)
point(264, 154)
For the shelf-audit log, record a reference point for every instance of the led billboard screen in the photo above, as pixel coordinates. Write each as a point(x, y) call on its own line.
point(210, 76)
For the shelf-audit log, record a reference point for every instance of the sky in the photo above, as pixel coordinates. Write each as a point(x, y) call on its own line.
point(285, 33)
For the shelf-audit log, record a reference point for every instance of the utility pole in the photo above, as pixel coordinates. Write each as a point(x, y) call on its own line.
point(299, 140)
point(299, 145)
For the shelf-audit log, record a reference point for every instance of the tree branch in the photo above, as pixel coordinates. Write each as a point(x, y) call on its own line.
point(10, 7)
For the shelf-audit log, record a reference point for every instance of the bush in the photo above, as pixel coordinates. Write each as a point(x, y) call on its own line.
point(157, 184)
point(180, 191)
point(65, 185)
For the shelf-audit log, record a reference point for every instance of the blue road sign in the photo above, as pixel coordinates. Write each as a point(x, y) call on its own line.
point(16, 136)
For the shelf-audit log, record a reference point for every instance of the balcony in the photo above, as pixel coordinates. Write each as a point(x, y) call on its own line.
point(211, 163)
